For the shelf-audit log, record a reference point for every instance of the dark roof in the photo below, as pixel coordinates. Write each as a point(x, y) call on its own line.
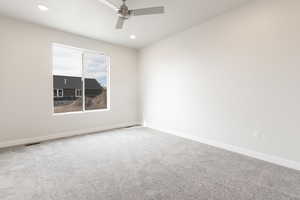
point(71, 82)
point(91, 83)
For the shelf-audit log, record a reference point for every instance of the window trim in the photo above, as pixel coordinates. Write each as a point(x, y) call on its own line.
point(62, 92)
point(84, 51)
point(78, 90)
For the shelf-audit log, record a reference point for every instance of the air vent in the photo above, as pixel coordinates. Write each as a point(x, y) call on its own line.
point(32, 144)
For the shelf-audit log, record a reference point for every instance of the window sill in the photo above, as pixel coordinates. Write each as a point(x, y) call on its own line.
point(81, 112)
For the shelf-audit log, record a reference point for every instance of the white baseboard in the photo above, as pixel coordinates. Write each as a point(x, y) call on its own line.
point(64, 135)
point(261, 156)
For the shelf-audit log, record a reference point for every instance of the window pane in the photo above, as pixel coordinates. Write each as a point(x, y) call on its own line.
point(67, 78)
point(96, 81)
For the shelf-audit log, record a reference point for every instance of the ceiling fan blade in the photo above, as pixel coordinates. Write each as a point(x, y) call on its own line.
point(109, 4)
point(148, 11)
point(120, 23)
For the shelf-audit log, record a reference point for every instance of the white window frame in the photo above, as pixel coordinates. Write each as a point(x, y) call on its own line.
point(56, 92)
point(62, 92)
point(83, 64)
point(78, 90)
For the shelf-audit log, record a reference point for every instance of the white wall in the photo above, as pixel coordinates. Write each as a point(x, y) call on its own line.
point(26, 85)
point(234, 79)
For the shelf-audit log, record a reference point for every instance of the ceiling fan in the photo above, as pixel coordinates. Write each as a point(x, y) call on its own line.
point(124, 13)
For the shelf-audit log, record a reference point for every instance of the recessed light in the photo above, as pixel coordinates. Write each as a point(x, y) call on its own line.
point(43, 7)
point(132, 37)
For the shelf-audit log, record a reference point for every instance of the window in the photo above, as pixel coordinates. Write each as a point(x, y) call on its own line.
point(58, 93)
point(80, 80)
point(55, 93)
point(78, 93)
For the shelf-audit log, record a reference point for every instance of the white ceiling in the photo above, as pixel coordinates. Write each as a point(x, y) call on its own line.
point(92, 19)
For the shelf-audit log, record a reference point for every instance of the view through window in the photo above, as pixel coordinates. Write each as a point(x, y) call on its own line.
point(80, 80)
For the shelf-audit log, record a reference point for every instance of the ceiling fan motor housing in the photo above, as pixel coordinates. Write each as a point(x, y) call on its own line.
point(124, 12)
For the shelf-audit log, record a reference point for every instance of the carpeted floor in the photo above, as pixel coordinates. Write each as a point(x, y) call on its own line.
point(139, 164)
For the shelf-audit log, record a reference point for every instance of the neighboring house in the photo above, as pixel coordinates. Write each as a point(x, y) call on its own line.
point(70, 88)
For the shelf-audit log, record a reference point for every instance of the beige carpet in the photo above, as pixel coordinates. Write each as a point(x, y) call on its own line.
point(139, 164)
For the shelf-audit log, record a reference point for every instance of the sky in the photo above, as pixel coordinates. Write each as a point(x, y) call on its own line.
point(68, 62)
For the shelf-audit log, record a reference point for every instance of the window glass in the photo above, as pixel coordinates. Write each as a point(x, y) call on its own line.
point(67, 76)
point(95, 85)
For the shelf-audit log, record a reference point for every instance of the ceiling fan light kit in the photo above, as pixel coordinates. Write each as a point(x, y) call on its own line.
point(125, 13)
